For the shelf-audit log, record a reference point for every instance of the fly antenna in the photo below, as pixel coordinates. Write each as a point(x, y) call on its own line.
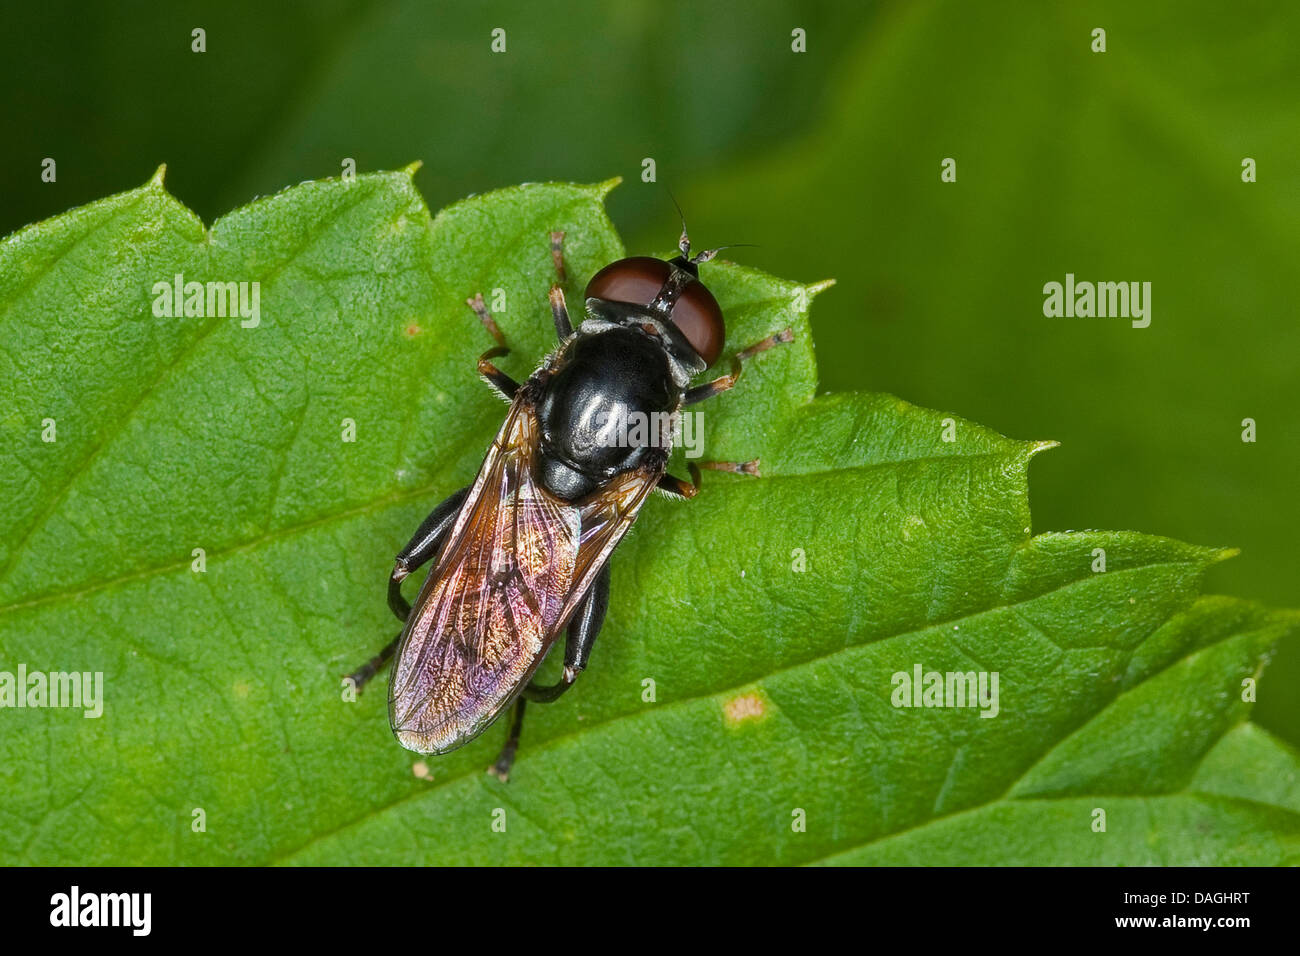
point(708, 254)
point(684, 242)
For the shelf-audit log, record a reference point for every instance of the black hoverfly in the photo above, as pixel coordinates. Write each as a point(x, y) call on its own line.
point(523, 552)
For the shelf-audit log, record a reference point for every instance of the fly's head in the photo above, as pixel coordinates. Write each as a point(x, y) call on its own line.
point(665, 299)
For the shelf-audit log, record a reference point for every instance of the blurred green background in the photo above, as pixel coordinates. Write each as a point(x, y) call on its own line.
point(1118, 166)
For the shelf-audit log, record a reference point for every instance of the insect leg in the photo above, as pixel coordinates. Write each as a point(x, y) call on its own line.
point(484, 316)
point(721, 384)
point(498, 379)
point(680, 488)
point(422, 547)
point(581, 635)
point(735, 467)
point(557, 255)
point(501, 768)
point(586, 624)
point(559, 310)
point(370, 668)
point(424, 544)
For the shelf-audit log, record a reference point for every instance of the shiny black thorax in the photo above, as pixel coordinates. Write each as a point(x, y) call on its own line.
point(599, 386)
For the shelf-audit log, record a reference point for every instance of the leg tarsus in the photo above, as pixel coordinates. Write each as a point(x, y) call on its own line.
point(557, 256)
point(370, 668)
point(559, 310)
point(681, 488)
point(498, 379)
point(480, 309)
point(783, 337)
point(750, 467)
point(506, 759)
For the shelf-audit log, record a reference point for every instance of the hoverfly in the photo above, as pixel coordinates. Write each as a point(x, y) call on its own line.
point(523, 553)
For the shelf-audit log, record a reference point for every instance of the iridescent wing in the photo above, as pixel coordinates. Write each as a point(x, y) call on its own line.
point(516, 564)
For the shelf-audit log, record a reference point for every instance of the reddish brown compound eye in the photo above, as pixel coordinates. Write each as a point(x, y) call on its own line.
point(699, 316)
point(638, 280)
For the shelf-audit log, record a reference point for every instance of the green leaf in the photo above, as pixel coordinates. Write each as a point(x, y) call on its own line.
point(1125, 165)
point(1120, 690)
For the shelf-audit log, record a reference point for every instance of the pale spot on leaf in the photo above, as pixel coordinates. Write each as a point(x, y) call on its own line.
point(745, 707)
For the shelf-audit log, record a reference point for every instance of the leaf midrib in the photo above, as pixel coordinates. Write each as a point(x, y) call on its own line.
point(454, 453)
point(563, 738)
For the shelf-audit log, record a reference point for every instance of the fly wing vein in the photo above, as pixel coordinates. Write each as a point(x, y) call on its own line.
point(493, 603)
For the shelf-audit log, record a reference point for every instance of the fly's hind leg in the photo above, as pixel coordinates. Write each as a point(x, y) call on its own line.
point(579, 638)
point(422, 548)
point(506, 759)
point(361, 676)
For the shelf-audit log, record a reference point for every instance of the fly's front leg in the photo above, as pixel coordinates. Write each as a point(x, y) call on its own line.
point(498, 379)
point(559, 310)
point(423, 546)
point(726, 382)
point(579, 638)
